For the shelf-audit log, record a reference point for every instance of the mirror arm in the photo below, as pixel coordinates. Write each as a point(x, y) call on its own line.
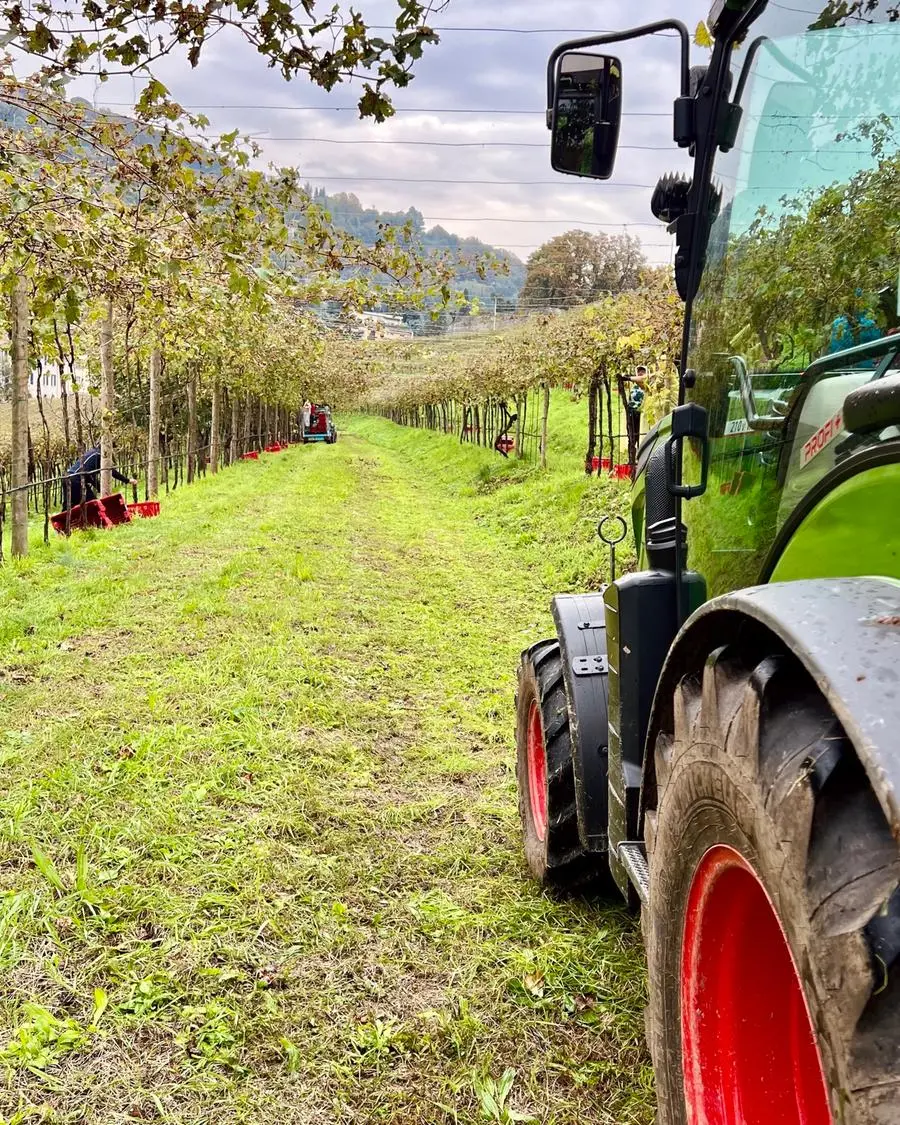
point(621, 37)
point(779, 56)
point(755, 420)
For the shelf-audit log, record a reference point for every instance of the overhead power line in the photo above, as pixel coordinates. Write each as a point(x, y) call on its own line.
point(444, 180)
point(397, 109)
point(444, 144)
point(501, 219)
point(533, 245)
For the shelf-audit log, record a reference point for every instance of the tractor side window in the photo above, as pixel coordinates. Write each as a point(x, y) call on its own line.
point(803, 262)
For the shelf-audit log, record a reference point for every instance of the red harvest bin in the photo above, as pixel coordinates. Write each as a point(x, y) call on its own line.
point(105, 512)
point(275, 448)
point(600, 464)
point(251, 456)
point(144, 509)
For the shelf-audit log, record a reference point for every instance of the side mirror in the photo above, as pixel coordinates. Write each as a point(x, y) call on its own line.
point(587, 110)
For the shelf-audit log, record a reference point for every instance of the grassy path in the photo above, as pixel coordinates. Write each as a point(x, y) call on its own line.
point(258, 845)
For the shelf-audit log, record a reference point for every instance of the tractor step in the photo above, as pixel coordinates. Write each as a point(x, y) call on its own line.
point(634, 859)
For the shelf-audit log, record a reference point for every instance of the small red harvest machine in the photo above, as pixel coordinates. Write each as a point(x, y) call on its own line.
point(320, 427)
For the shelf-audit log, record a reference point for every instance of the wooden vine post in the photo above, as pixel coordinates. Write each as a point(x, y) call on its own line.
point(215, 426)
point(592, 423)
point(19, 328)
point(545, 414)
point(107, 400)
point(233, 452)
point(192, 441)
point(153, 426)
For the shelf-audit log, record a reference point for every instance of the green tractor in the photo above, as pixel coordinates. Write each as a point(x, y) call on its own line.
point(716, 736)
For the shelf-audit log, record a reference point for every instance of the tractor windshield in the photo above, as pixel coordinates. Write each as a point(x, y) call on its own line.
point(803, 262)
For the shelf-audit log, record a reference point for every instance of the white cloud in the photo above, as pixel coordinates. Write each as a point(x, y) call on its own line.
point(466, 72)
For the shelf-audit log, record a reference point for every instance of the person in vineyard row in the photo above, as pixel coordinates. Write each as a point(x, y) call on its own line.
point(82, 480)
point(633, 407)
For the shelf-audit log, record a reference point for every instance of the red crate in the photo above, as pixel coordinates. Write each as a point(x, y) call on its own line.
point(275, 448)
point(252, 456)
point(105, 512)
point(144, 509)
point(622, 472)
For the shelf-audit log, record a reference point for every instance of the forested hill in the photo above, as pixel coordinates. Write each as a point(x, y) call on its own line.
point(350, 215)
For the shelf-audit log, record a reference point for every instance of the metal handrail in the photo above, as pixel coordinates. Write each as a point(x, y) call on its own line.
point(755, 420)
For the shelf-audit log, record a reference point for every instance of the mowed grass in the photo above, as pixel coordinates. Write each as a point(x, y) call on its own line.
point(259, 856)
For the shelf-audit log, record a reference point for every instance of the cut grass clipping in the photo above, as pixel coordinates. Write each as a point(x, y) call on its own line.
point(260, 854)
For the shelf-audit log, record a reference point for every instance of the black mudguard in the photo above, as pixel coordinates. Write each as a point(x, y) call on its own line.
point(581, 629)
point(845, 631)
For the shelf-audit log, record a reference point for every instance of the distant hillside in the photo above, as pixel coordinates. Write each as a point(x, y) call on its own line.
point(363, 222)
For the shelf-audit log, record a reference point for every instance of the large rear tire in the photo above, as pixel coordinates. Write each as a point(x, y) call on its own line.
point(554, 852)
point(774, 919)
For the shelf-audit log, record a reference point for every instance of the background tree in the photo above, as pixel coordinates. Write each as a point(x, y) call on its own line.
point(577, 267)
point(319, 39)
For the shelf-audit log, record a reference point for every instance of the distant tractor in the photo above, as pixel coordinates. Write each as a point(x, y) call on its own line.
point(721, 744)
point(320, 426)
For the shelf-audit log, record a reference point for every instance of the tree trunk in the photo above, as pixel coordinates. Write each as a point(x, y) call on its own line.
point(192, 428)
point(46, 464)
point(64, 402)
point(153, 431)
point(609, 420)
point(70, 364)
point(79, 424)
point(232, 456)
point(247, 423)
point(107, 400)
point(545, 414)
point(592, 425)
point(19, 468)
point(214, 427)
point(63, 389)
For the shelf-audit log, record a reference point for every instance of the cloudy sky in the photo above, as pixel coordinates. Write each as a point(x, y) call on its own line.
point(470, 126)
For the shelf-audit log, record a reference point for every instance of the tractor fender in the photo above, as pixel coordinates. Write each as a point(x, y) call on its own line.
point(845, 632)
point(581, 629)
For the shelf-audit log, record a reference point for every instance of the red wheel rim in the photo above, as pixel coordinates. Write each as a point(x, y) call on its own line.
point(536, 754)
point(749, 1050)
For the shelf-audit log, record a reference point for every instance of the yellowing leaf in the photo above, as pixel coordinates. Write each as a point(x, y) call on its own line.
point(702, 37)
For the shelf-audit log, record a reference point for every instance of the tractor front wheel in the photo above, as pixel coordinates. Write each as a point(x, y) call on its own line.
point(546, 777)
point(773, 930)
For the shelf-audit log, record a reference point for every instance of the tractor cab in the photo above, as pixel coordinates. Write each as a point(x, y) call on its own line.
point(714, 735)
point(320, 426)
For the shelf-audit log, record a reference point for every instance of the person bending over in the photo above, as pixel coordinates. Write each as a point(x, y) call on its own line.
point(82, 480)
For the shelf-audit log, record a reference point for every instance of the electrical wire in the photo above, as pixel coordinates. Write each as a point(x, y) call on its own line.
point(397, 109)
point(443, 180)
point(444, 144)
point(502, 219)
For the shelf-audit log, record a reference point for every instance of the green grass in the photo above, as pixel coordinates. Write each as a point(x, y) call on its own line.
point(259, 855)
point(549, 519)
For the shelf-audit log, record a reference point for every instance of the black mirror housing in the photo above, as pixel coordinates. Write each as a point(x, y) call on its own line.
point(587, 111)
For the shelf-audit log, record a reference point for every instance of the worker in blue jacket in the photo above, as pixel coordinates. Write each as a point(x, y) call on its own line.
point(82, 480)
